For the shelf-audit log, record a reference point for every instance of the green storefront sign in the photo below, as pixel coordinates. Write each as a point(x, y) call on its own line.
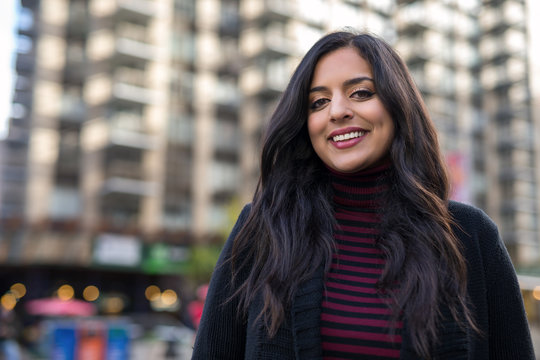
point(165, 259)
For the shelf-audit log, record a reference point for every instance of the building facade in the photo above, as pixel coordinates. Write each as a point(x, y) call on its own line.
point(143, 118)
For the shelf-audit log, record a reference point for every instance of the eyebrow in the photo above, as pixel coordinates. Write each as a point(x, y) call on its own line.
point(345, 83)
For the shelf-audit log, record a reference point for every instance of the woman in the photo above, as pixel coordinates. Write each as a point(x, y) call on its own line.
point(351, 248)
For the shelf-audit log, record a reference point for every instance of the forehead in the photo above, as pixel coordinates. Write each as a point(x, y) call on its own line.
point(341, 64)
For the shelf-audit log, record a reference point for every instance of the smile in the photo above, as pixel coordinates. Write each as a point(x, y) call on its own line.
point(348, 136)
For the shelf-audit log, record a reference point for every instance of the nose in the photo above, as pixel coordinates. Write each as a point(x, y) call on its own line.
point(340, 109)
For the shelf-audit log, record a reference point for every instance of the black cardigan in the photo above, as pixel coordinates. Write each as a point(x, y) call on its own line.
point(493, 291)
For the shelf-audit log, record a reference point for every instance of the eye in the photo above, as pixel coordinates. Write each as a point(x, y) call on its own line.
point(362, 94)
point(318, 103)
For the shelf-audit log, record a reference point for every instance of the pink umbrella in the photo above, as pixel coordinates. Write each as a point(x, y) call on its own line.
point(57, 307)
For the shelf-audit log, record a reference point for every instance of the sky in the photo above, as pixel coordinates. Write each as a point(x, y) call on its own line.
point(7, 16)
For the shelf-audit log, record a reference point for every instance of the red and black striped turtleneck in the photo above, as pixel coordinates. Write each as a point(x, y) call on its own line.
point(355, 318)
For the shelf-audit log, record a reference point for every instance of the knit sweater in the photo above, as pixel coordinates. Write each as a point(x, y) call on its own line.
point(492, 287)
point(355, 320)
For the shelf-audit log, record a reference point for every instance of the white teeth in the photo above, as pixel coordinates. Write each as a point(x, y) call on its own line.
point(348, 136)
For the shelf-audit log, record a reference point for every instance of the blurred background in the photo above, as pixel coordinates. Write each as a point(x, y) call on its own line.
point(130, 134)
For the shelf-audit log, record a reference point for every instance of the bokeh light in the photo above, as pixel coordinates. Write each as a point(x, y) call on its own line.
point(91, 293)
point(152, 293)
point(169, 297)
point(65, 292)
point(113, 305)
point(18, 290)
point(8, 301)
point(536, 293)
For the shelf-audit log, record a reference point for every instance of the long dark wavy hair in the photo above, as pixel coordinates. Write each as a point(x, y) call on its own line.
point(289, 231)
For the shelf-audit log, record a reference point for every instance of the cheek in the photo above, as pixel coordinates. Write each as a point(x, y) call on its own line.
point(316, 135)
point(315, 128)
point(389, 134)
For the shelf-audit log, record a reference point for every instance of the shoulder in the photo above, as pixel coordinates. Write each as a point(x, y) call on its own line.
point(475, 229)
point(240, 222)
point(245, 212)
point(479, 235)
point(471, 219)
point(242, 219)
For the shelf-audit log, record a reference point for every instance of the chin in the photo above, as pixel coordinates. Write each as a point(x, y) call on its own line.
point(349, 168)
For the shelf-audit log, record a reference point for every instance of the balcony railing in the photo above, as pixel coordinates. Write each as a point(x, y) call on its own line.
point(132, 40)
point(127, 122)
point(130, 76)
point(136, 9)
point(130, 186)
point(130, 85)
point(121, 137)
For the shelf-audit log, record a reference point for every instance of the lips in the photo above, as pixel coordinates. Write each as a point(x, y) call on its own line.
point(347, 137)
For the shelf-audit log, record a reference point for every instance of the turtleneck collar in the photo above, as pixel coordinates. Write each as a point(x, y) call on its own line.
point(362, 190)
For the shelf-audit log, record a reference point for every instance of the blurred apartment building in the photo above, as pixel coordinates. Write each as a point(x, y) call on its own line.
point(123, 141)
point(473, 65)
point(138, 121)
point(125, 121)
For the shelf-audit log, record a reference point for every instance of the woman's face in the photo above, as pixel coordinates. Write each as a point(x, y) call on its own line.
point(348, 125)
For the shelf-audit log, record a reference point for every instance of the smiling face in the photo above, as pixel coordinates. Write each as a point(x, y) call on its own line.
point(349, 128)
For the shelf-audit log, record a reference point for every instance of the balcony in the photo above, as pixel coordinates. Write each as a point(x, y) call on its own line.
point(178, 179)
point(230, 63)
point(224, 179)
point(23, 97)
point(14, 157)
point(119, 210)
point(515, 141)
point(127, 49)
point(268, 10)
point(75, 69)
point(65, 203)
point(129, 187)
point(25, 63)
point(126, 138)
point(72, 108)
point(129, 85)
point(119, 168)
point(226, 138)
point(132, 42)
point(270, 42)
point(130, 76)
point(512, 43)
point(134, 94)
point(418, 16)
point(229, 24)
point(518, 205)
point(78, 20)
point(497, 18)
point(227, 98)
point(181, 130)
point(503, 75)
point(127, 121)
point(268, 82)
point(111, 135)
point(18, 135)
point(509, 174)
point(68, 164)
point(136, 10)
point(279, 44)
